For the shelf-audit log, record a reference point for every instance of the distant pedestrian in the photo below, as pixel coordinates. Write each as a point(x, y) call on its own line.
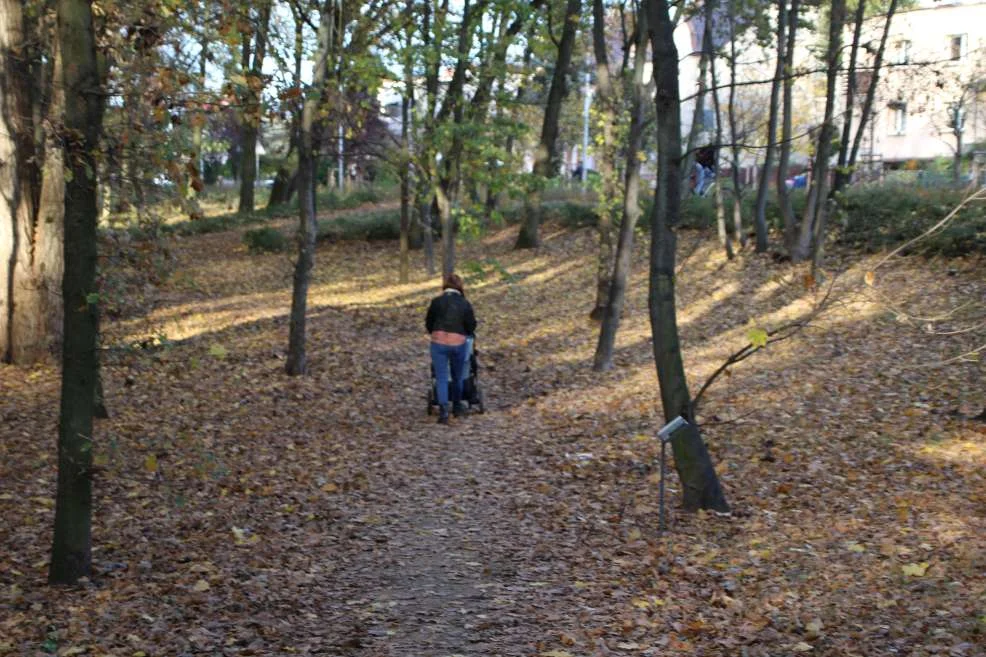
point(450, 322)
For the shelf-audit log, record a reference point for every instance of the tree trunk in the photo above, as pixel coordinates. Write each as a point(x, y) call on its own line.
point(444, 206)
point(813, 222)
point(783, 196)
point(606, 163)
point(842, 172)
point(724, 238)
point(71, 554)
point(545, 160)
point(698, 118)
point(30, 216)
point(957, 158)
point(297, 361)
point(867, 109)
point(760, 218)
point(253, 106)
point(692, 460)
point(405, 176)
point(733, 136)
point(603, 359)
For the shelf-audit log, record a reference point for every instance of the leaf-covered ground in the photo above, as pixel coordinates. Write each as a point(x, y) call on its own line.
point(242, 512)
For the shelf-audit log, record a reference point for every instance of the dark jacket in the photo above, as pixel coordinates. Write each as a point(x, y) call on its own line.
point(452, 313)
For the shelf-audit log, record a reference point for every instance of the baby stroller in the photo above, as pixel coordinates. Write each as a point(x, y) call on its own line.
point(472, 394)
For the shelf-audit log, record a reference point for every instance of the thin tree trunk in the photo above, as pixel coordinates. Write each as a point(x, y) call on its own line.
point(297, 361)
point(698, 117)
point(71, 555)
point(733, 136)
point(250, 125)
point(783, 196)
point(724, 239)
point(813, 222)
point(545, 160)
point(406, 200)
point(760, 218)
point(842, 172)
point(606, 162)
point(603, 359)
point(866, 112)
point(444, 205)
point(692, 460)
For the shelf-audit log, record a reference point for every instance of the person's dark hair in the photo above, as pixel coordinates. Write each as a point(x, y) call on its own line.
point(454, 282)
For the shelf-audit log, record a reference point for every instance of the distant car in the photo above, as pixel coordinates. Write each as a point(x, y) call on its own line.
point(266, 182)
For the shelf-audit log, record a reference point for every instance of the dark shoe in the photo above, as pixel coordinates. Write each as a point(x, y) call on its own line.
point(458, 409)
point(443, 414)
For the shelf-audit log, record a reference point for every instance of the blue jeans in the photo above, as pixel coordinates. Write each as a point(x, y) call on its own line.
point(441, 357)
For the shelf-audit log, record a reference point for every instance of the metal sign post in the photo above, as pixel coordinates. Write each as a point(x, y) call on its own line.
point(665, 434)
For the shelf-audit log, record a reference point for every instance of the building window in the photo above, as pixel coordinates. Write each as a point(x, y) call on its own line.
point(957, 47)
point(902, 53)
point(898, 118)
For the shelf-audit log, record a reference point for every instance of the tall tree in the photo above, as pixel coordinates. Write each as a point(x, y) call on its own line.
point(842, 173)
point(254, 51)
point(760, 216)
point(783, 196)
point(545, 159)
point(692, 460)
point(31, 182)
point(603, 359)
point(297, 360)
point(71, 553)
point(605, 160)
point(813, 223)
point(734, 136)
point(724, 238)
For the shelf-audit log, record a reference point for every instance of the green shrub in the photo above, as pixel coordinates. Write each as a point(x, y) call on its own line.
point(265, 240)
point(875, 218)
point(370, 226)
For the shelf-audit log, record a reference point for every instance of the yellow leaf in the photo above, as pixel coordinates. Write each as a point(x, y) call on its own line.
point(801, 646)
point(150, 463)
point(201, 586)
point(757, 337)
point(556, 653)
point(856, 547)
point(870, 277)
point(329, 488)
point(217, 351)
point(640, 603)
point(915, 569)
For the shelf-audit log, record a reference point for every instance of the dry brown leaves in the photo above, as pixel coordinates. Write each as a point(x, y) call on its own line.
point(242, 512)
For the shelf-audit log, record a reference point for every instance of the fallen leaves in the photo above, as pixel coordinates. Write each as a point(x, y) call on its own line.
point(332, 515)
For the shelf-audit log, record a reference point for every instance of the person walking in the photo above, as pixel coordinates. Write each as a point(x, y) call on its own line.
point(450, 323)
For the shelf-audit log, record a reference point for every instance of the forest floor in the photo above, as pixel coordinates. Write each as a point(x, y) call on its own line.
point(239, 511)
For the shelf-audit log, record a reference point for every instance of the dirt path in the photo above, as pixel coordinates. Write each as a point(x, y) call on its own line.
point(449, 573)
